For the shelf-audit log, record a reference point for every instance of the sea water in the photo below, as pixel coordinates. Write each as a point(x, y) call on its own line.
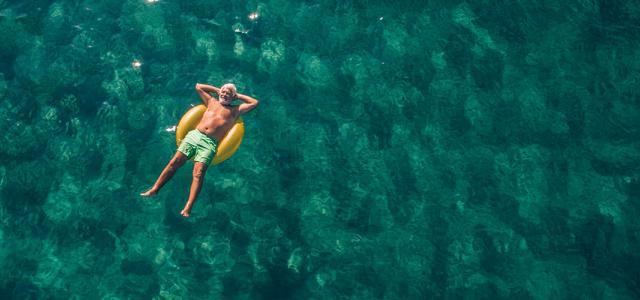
point(401, 150)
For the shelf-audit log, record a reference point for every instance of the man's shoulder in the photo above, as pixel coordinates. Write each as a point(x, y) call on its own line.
point(235, 111)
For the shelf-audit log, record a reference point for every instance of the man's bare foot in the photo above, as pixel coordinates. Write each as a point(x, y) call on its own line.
point(185, 213)
point(149, 193)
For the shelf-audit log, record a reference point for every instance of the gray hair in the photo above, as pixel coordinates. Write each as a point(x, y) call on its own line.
point(231, 87)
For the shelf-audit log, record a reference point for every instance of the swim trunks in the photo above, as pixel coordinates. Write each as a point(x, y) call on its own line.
point(199, 146)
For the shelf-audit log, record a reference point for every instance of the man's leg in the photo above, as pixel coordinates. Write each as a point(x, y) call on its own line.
point(176, 162)
point(199, 170)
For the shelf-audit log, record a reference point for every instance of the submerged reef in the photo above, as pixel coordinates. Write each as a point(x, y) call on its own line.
point(407, 150)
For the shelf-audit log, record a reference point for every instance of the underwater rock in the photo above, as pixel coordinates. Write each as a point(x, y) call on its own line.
point(127, 84)
point(306, 20)
point(60, 75)
point(612, 159)
point(13, 38)
point(29, 183)
point(273, 54)
point(349, 22)
point(487, 70)
point(30, 67)
point(397, 41)
point(206, 45)
point(109, 114)
point(213, 250)
point(114, 159)
point(534, 110)
point(3, 86)
point(60, 203)
point(522, 171)
point(479, 115)
point(363, 69)
point(617, 121)
point(69, 104)
point(56, 24)
point(146, 25)
point(315, 72)
point(465, 17)
point(49, 121)
point(238, 47)
point(33, 139)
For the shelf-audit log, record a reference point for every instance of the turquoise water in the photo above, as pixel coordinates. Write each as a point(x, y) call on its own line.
point(401, 150)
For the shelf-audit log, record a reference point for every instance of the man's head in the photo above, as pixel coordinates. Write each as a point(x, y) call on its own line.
point(227, 93)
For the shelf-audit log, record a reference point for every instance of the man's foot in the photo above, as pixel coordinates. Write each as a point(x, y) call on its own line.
point(185, 212)
point(149, 193)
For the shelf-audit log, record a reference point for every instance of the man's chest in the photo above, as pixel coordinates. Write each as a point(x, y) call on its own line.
point(219, 114)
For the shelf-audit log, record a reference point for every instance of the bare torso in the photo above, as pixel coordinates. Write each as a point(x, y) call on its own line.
point(217, 120)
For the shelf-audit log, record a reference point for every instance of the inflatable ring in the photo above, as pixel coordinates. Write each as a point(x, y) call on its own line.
point(229, 144)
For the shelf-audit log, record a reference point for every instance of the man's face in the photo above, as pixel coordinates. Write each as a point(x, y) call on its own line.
point(226, 94)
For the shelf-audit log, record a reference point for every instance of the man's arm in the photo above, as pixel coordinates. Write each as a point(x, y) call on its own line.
point(248, 105)
point(204, 90)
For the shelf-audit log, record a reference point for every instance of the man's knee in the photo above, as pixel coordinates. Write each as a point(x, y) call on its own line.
point(199, 170)
point(173, 165)
point(177, 161)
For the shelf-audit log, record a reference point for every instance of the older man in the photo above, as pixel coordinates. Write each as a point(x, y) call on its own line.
point(202, 142)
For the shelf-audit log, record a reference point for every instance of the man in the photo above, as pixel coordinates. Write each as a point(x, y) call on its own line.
point(202, 142)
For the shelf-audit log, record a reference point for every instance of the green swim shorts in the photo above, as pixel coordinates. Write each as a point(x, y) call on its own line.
point(199, 146)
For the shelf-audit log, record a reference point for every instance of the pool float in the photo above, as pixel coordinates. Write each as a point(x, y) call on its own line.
point(227, 146)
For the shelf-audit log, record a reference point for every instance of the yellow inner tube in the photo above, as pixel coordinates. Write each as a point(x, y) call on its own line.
point(229, 144)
